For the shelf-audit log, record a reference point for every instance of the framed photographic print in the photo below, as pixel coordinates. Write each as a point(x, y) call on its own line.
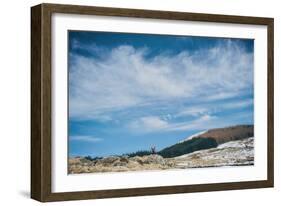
point(130, 102)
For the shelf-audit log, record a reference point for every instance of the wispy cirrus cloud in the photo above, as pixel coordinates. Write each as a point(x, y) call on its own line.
point(127, 79)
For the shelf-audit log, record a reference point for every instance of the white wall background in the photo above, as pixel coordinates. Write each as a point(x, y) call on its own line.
point(15, 102)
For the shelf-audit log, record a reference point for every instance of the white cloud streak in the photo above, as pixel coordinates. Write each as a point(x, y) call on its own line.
point(149, 123)
point(81, 138)
point(199, 110)
point(154, 124)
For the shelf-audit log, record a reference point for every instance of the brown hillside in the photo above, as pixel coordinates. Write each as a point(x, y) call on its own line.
point(227, 134)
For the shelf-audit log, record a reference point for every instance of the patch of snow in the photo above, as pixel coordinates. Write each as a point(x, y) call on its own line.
point(233, 153)
point(193, 136)
point(236, 144)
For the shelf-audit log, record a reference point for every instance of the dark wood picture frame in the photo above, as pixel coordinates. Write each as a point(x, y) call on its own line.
point(41, 101)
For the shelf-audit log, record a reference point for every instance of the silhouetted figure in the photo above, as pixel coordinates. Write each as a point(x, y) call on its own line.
point(153, 150)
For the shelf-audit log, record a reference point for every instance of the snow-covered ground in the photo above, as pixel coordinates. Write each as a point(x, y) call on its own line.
point(234, 153)
point(237, 144)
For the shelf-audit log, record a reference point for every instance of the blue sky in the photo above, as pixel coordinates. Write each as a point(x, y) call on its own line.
point(128, 92)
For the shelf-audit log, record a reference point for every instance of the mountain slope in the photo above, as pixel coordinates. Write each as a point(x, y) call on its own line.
point(188, 147)
point(208, 139)
point(222, 135)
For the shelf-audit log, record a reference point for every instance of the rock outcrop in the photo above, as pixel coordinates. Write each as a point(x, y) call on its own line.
point(118, 164)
